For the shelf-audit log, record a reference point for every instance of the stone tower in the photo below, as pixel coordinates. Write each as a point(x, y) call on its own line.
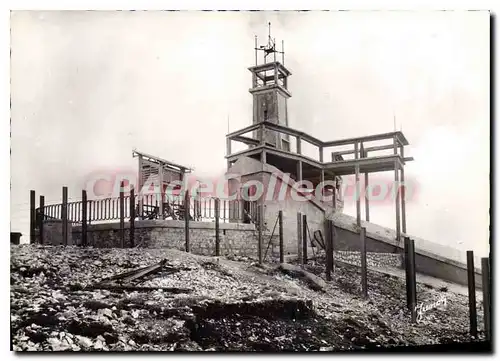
point(270, 93)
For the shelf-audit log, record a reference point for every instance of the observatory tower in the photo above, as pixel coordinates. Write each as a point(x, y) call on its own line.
point(270, 91)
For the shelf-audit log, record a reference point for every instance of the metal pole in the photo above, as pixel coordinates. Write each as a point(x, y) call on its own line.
point(367, 201)
point(41, 218)
point(485, 272)
point(84, 218)
point(282, 251)
point(407, 270)
point(358, 197)
point(364, 282)
point(132, 217)
point(472, 293)
point(333, 238)
point(32, 216)
point(283, 51)
point(186, 221)
point(122, 214)
point(217, 231)
point(162, 195)
point(304, 239)
point(329, 253)
point(274, 42)
point(299, 237)
point(413, 281)
point(255, 49)
point(64, 215)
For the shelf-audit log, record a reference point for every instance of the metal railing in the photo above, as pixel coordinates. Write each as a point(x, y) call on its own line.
point(148, 207)
point(129, 208)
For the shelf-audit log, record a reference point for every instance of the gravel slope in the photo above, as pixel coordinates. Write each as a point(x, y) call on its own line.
point(219, 305)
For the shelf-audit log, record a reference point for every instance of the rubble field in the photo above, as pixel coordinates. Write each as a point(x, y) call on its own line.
point(198, 303)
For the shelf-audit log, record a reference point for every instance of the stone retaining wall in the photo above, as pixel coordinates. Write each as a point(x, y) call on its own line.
point(236, 239)
point(373, 259)
point(53, 233)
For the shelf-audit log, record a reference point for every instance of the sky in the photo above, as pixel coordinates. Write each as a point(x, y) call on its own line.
point(89, 86)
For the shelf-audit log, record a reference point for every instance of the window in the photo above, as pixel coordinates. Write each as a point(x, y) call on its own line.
point(285, 145)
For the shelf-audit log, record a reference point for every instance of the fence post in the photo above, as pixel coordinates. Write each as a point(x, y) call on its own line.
point(472, 293)
point(485, 273)
point(162, 194)
point(334, 237)
point(261, 220)
point(407, 270)
point(32, 217)
point(299, 237)
point(64, 215)
point(412, 281)
point(122, 214)
point(280, 225)
point(41, 218)
point(89, 214)
point(186, 220)
point(304, 239)
point(328, 249)
point(84, 218)
point(217, 233)
point(132, 217)
point(364, 281)
point(414, 278)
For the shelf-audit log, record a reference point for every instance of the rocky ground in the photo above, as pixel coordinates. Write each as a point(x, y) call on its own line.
point(206, 303)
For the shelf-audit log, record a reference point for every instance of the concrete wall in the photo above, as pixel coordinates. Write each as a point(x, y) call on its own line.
point(290, 207)
point(53, 233)
point(445, 270)
point(347, 240)
point(235, 239)
point(428, 264)
point(274, 182)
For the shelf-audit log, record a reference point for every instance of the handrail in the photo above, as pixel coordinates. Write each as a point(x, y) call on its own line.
point(147, 206)
point(315, 141)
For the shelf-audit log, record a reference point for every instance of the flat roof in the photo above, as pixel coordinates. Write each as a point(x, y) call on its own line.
point(160, 160)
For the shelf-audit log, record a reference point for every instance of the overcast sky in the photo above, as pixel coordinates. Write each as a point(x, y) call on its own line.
point(89, 86)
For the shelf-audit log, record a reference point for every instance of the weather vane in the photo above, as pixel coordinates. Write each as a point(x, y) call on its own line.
point(270, 48)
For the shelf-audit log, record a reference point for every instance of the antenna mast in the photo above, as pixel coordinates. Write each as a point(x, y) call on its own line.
point(269, 48)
